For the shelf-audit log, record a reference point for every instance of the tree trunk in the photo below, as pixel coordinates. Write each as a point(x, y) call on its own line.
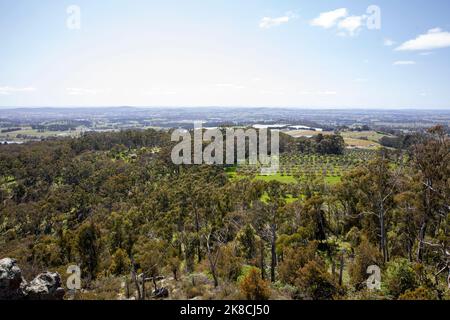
point(273, 263)
point(261, 261)
point(341, 269)
point(383, 240)
point(143, 287)
point(197, 230)
point(175, 275)
point(421, 246)
point(136, 283)
point(212, 267)
point(216, 281)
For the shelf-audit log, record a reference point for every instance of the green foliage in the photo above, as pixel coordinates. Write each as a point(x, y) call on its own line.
point(229, 264)
point(399, 277)
point(151, 256)
point(120, 263)
point(246, 239)
point(88, 246)
point(365, 255)
point(115, 201)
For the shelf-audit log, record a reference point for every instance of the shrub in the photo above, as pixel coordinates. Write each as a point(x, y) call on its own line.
point(399, 277)
point(229, 265)
point(314, 282)
point(253, 287)
point(420, 293)
point(294, 259)
point(365, 255)
point(120, 263)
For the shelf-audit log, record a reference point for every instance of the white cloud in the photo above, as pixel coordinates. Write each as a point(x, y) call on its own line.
point(268, 22)
point(272, 92)
point(404, 63)
point(426, 53)
point(327, 93)
point(85, 92)
point(7, 90)
point(317, 93)
point(158, 92)
point(352, 24)
point(229, 85)
point(329, 19)
point(434, 39)
point(388, 42)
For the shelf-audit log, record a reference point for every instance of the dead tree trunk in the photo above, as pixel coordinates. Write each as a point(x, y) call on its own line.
point(136, 283)
point(213, 257)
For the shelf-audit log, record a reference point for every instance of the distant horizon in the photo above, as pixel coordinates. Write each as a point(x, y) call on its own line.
point(230, 107)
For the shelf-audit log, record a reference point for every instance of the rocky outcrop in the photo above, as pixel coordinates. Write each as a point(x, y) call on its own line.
point(46, 286)
point(11, 281)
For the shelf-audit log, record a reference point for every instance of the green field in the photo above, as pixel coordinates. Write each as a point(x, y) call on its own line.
point(298, 166)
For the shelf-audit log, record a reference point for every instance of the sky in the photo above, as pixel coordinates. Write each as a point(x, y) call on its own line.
point(280, 53)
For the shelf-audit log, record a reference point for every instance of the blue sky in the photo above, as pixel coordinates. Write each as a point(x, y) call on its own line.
point(225, 53)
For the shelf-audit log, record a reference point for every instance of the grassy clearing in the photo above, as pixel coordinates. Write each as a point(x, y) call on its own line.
point(28, 133)
point(353, 139)
point(276, 177)
point(364, 135)
point(289, 198)
point(360, 143)
point(306, 133)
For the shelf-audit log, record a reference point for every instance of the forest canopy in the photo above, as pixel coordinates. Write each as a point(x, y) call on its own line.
point(116, 205)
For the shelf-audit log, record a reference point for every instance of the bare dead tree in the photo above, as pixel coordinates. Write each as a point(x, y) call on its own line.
point(213, 240)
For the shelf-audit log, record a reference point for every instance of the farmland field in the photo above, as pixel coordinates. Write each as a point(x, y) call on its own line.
point(294, 167)
point(353, 139)
point(28, 133)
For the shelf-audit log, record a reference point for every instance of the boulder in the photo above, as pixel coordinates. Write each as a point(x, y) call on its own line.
point(46, 286)
point(11, 281)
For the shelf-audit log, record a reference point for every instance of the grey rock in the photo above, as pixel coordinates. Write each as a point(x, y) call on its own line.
point(11, 281)
point(46, 286)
